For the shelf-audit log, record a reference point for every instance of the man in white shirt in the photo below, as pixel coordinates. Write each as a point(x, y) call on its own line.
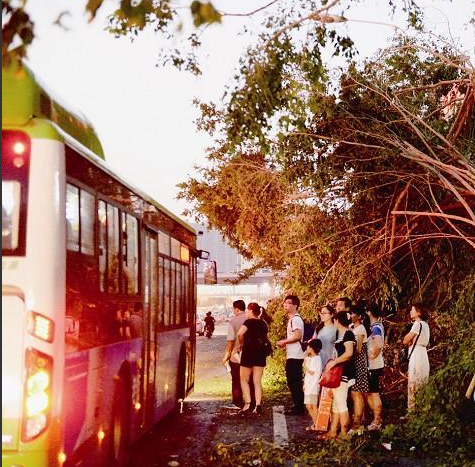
point(295, 354)
point(235, 323)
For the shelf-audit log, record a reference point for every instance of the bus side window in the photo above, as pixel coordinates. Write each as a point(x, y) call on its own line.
point(79, 220)
point(102, 214)
point(166, 292)
point(113, 266)
point(179, 294)
point(87, 222)
point(72, 217)
point(130, 255)
point(173, 316)
point(161, 292)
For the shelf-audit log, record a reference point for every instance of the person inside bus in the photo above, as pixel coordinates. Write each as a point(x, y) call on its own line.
point(136, 321)
point(72, 323)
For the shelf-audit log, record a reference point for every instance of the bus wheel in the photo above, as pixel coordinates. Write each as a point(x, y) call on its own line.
point(119, 426)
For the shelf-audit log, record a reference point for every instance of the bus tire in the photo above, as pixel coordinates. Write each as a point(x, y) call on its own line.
point(119, 444)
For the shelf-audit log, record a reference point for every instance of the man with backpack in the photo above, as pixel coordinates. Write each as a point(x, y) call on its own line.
point(376, 365)
point(295, 354)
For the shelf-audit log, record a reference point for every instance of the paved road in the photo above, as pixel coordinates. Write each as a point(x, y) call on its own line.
point(208, 364)
point(189, 438)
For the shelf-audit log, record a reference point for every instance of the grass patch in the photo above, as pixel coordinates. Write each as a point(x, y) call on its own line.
point(215, 388)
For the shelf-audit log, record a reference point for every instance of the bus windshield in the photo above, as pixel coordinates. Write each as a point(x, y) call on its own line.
point(11, 196)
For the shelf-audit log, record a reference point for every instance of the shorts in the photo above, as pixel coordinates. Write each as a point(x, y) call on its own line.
point(374, 376)
point(340, 396)
point(310, 399)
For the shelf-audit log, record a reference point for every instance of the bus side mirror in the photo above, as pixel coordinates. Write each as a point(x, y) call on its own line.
point(210, 275)
point(203, 254)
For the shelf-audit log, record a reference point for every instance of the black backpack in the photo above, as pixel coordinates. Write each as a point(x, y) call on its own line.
point(308, 331)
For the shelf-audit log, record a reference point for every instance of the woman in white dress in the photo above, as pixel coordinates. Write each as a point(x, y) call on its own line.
point(417, 339)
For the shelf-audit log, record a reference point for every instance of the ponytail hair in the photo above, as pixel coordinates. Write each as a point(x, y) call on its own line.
point(360, 310)
point(254, 308)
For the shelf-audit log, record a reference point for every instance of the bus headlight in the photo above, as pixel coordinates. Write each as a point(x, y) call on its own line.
point(37, 395)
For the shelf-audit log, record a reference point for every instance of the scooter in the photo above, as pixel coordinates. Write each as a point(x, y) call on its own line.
point(209, 331)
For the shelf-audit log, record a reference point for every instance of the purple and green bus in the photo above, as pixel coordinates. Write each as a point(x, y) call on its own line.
point(98, 292)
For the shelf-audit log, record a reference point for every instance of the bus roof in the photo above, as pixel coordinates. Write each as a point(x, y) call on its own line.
point(24, 101)
point(24, 98)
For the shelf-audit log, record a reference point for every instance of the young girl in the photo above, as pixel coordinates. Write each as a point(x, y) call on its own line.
point(313, 371)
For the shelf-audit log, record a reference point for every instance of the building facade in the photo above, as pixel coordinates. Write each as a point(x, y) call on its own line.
point(260, 288)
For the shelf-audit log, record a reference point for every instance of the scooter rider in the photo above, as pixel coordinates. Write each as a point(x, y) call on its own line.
point(209, 324)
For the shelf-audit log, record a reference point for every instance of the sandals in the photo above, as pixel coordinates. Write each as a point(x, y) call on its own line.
point(358, 431)
point(245, 411)
point(373, 426)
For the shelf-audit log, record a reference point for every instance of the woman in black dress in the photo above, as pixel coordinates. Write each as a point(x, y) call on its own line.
point(251, 336)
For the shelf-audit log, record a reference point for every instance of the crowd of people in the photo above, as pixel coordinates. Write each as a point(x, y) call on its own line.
point(349, 336)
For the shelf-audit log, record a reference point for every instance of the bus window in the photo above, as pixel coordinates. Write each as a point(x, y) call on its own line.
point(102, 211)
point(131, 256)
point(186, 292)
point(161, 290)
point(10, 214)
point(87, 222)
point(16, 148)
point(112, 249)
point(166, 295)
point(164, 243)
point(175, 249)
point(179, 295)
point(72, 217)
point(153, 283)
point(173, 293)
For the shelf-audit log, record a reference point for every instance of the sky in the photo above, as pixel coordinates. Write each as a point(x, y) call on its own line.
point(144, 114)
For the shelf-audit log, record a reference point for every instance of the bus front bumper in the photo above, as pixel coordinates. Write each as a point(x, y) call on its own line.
point(29, 459)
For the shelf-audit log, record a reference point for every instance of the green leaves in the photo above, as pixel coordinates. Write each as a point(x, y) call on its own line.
point(204, 13)
point(133, 17)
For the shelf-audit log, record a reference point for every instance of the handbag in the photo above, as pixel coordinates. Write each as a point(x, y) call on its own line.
point(331, 378)
point(266, 346)
point(405, 355)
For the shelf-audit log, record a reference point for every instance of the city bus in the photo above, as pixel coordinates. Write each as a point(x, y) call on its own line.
point(98, 292)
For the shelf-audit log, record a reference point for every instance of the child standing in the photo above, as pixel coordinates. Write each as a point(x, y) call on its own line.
point(313, 370)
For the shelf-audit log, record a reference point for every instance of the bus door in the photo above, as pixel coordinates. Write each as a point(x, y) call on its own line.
point(150, 324)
